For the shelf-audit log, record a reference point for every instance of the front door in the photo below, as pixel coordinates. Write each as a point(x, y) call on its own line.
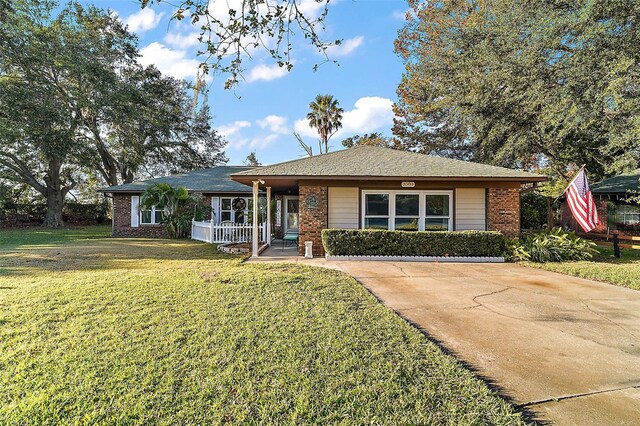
point(291, 208)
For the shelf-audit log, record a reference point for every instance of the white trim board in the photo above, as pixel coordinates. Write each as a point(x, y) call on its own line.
point(443, 259)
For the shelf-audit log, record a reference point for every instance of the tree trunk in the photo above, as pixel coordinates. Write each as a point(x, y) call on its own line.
point(55, 202)
point(54, 193)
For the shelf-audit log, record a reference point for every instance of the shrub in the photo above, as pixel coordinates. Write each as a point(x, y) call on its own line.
point(347, 242)
point(75, 212)
point(179, 207)
point(515, 251)
point(554, 245)
point(533, 211)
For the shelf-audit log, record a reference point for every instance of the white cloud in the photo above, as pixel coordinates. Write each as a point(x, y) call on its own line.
point(369, 114)
point(262, 141)
point(302, 127)
point(144, 20)
point(232, 129)
point(219, 9)
point(310, 8)
point(345, 48)
point(169, 61)
point(266, 73)
point(182, 41)
point(275, 124)
point(399, 14)
point(238, 139)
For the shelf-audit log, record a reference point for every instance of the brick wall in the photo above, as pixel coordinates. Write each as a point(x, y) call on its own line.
point(601, 208)
point(567, 220)
point(503, 211)
point(312, 221)
point(122, 220)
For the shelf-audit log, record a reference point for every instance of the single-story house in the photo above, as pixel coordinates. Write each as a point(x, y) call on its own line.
point(357, 188)
point(617, 202)
point(214, 184)
point(373, 187)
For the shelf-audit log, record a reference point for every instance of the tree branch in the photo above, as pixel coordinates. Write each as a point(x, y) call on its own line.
point(21, 169)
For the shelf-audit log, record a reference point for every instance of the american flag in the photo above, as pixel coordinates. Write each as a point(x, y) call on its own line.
point(581, 202)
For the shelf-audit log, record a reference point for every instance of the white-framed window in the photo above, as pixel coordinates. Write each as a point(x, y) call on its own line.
point(437, 212)
point(235, 209)
point(151, 217)
point(407, 210)
point(376, 210)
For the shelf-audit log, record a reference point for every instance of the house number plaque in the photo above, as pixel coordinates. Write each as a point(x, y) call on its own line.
point(408, 184)
point(312, 202)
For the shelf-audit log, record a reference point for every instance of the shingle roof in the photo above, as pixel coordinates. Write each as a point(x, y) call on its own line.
point(371, 161)
point(215, 179)
point(628, 182)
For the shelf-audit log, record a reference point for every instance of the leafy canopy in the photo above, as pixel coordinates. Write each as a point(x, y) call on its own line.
point(76, 104)
point(369, 139)
point(522, 83)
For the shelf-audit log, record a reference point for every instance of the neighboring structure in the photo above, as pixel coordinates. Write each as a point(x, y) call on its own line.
point(218, 190)
point(618, 203)
point(373, 187)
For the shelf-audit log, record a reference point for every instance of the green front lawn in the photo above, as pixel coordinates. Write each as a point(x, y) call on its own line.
point(603, 267)
point(96, 330)
point(39, 236)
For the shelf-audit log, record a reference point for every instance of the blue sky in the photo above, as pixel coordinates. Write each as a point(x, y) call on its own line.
point(262, 112)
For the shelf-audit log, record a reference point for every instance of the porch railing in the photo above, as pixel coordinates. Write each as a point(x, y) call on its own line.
point(217, 233)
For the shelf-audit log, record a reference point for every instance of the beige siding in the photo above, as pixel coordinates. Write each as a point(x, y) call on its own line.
point(470, 209)
point(343, 208)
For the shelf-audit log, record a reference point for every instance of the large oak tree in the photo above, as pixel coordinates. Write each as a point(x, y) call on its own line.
point(74, 100)
point(523, 82)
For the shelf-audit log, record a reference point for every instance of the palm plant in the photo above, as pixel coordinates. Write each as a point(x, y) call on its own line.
point(326, 117)
point(178, 207)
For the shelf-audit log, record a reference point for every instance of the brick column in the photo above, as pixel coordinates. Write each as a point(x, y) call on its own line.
point(503, 211)
point(312, 220)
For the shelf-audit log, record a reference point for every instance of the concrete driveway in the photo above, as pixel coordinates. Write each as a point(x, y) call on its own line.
point(567, 349)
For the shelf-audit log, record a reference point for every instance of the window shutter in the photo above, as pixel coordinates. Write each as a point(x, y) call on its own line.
point(135, 214)
point(215, 209)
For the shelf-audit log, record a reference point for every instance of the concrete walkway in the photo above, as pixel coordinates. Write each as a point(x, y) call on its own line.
point(564, 348)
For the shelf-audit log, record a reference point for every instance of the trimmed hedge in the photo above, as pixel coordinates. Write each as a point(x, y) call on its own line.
point(356, 242)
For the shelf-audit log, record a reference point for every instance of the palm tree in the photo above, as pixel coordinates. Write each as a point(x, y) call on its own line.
point(326, 116)
point(178, 207)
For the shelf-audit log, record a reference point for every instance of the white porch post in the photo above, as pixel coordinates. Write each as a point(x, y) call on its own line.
point(268, 225)
point(256, 232)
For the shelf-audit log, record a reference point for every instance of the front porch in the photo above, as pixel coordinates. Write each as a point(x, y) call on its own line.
point(282, 219)
point(275, 222)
